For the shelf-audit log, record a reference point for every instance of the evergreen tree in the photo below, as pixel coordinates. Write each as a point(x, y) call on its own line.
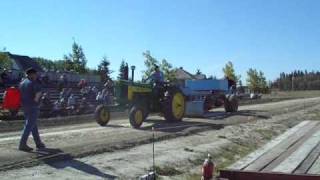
point(262, 84)
point(256, 81)
point(122, 70)
point(253, 80)
point(103, 68)
point(5, 62)
point(76, 60)
point(298, 80)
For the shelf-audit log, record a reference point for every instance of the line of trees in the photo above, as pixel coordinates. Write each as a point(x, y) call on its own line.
point(298, 80)
point(256, 80)
point(76, 61)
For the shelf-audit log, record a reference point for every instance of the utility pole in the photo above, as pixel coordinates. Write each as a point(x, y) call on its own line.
point(292, 83)
point(153, 161)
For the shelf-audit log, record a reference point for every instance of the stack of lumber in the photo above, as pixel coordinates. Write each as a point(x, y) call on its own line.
point(295, 152)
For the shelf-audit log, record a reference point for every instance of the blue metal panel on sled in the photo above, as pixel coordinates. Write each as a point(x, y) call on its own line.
point(194, 108)
point(207, 85)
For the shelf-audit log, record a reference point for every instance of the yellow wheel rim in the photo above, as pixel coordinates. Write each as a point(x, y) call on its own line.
point(104, 115)
point(178, 105)
point(138, 116)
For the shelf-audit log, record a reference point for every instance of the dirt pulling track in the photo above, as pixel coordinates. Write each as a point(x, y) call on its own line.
point(87, 151)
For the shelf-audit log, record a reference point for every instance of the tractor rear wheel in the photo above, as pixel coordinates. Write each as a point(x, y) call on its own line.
point(231, 104)
point(102, 115)
point(136, 116)
point(174, 105)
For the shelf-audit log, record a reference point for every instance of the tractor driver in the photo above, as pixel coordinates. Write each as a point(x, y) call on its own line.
point(157, 77)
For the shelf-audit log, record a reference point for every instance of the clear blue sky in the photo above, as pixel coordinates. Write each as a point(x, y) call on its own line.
point(270, 35)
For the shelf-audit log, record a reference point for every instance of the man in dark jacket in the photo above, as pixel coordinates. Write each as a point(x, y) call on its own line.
point(30, 97)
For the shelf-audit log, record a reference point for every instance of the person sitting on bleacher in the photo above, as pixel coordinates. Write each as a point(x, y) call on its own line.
point(57, 108)
point(72, 102)
point(63, 82)
point(45, 104)
point(82, 84)
point(45, 99)
point(64, 94)
point(83, 105)
point(85, 91)
point(92, 92)
point(69, 92)
point(95, 90)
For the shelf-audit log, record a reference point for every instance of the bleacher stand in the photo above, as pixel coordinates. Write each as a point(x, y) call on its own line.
point(52, 97)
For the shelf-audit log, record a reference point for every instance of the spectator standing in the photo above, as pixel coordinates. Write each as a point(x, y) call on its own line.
point(83, 105)
point(30, 97)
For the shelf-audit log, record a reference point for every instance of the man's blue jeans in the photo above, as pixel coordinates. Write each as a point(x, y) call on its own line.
point(31, 116)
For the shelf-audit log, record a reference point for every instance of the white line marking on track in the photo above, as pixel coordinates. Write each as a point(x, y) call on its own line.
point(55, 133)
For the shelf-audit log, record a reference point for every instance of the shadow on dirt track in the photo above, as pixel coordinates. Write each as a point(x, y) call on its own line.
point(220, 115)
point(173, 127)
point(57, 159)
point(209, 120)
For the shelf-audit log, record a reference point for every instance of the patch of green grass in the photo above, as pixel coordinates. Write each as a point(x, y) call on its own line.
point(294, 94)
point(167, 171)
point(230, 154)
point(225, 156)
point(314, 115)
point(193, 177)
point(266, 133)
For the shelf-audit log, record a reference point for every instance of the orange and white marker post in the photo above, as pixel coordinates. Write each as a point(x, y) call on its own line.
point(208, 168)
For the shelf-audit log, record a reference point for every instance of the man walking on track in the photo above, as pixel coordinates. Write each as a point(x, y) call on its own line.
point(30, 97)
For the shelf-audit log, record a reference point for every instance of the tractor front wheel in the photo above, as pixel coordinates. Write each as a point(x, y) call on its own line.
point(102, 115)
point(174, 105)
point(136, 116)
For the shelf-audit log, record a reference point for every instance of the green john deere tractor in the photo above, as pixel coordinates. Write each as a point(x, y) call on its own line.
point(141, 99)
